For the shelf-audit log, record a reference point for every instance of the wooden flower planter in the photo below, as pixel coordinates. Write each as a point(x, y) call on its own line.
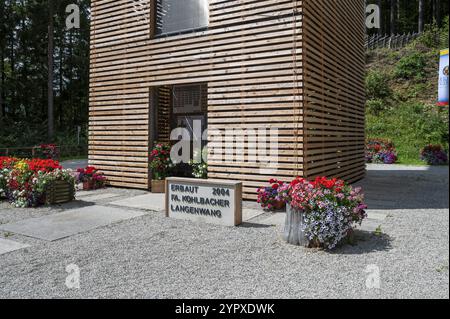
point(88, 186)
point(59, 192)
point(158, 187)
point(279, 206)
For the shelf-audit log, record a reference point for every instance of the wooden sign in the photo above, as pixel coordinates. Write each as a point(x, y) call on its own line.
point(206, 201)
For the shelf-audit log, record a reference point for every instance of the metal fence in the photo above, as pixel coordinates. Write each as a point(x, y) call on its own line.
point(64, 151)
point(389, 41)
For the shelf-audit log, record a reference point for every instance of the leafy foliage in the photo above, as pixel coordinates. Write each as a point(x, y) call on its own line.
point(412, 66)
point(377, 85)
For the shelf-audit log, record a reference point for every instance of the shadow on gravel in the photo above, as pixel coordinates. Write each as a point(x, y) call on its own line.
point(403, 188)
point(365, 242)
point(75, 204)
point(255, 225)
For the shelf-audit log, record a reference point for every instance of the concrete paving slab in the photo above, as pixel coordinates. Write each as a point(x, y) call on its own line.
point(83, 194)
point(248, 214)
point(276, 219)
point(69, 223)
point(376, 216)
point(7, 246)
point(96, 197)
point(153, 202)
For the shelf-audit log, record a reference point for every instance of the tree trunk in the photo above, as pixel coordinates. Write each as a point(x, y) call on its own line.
point(421, 15)
point(438, 13)
point(12, 75)
point(393, 26)
point(50, 109)
point(380, 31)
point(2, 84)
point(61, 82)
point(2, 62)
point(293, 233)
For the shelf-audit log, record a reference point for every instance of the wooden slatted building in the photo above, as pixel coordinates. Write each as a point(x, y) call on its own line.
point(294, 66)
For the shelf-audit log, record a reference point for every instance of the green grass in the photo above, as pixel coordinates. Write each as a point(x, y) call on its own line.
point(411, 126)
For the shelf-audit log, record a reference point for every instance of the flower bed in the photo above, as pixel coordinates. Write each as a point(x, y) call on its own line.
point(321, 213)
point(25, 182)
point(434, 155)
point(380, 151)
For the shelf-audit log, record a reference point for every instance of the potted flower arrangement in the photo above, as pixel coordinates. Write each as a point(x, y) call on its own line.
point(380, 151)
point(59, 186)
point(434, 155)
point(91, 178)
point(272, 196)
point(322, 213)
point(160, 164)
point(199, 170)
point(30, 183)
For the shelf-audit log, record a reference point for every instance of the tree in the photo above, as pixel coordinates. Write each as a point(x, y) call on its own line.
point(421, 15)
point(50, 66)
point(393, 16)
point(380, 31)
point(438, 15)
point(2, 59)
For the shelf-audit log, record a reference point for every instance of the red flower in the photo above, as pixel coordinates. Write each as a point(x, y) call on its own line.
point(90, 170)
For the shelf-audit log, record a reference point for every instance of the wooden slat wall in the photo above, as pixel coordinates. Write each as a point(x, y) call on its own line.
point(252, 59)
point(164, 114)
point(334, 88)
point(118, 114)
point(245, 57)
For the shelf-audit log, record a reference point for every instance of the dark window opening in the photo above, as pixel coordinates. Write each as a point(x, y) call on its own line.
point(179, 16)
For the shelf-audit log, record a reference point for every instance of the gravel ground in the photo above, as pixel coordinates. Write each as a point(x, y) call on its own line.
point(154, 257)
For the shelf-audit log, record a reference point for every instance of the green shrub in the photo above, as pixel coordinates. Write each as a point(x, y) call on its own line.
point(411, 66)
point(430, 37)
point(375, 106)
point(377, 86)
point(434, 37)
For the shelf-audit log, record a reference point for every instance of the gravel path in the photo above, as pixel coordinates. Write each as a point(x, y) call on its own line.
point(154, 257)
